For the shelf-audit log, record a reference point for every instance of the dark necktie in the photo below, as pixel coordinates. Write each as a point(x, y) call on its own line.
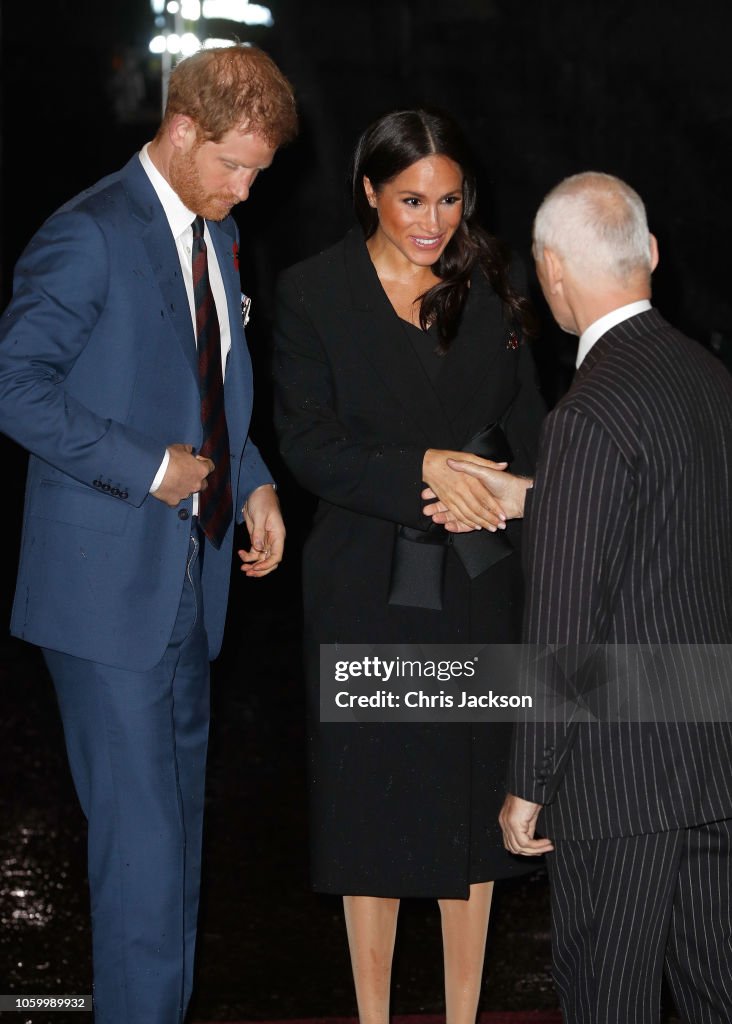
point(214, 504)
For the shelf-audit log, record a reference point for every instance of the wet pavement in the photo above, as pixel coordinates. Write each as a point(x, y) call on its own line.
point(269, 948)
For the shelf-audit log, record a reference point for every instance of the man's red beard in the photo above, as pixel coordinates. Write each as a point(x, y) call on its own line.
point(186, 181)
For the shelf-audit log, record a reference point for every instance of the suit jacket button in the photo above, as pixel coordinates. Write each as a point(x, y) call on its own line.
point(124, 495)
point(183, 513)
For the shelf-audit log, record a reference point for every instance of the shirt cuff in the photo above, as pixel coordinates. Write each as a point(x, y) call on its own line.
point(160, 473)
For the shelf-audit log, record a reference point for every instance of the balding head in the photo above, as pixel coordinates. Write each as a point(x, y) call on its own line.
point(597, 225)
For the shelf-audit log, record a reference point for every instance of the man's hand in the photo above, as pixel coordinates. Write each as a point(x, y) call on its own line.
point(266, 532)
point(186, 474)
point(464, 498)
point(518, 823)
point(504, 488)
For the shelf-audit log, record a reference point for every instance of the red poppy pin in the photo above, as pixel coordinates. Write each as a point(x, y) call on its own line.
point(512, 340)
point(235, 253)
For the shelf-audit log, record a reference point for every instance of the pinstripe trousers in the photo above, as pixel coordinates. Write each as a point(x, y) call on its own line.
point(624, 908)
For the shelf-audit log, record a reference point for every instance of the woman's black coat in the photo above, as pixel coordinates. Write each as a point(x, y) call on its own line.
point(355, 412)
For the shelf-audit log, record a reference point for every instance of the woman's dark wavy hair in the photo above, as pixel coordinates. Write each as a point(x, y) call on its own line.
point(388, 147)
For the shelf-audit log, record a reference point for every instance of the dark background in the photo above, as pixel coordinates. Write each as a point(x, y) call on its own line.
point(640, 89)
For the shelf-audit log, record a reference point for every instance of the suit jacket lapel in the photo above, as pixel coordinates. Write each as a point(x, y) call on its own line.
point(634, 327)
point(238, 379)
point(388, 348)
point(163, 255)
point(593, 357)
point(224, 243)
point(468, 380)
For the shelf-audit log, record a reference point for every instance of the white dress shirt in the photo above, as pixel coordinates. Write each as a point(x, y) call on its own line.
point(596, 330)
point(180, 219)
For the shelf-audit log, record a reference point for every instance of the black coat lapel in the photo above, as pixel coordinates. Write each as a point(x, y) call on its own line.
point(469, 381)
point(388, 348)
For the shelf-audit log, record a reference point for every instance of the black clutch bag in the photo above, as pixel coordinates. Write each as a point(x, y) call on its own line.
point(418, 557)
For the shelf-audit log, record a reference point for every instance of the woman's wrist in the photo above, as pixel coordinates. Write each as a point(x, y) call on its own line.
point(428, 462)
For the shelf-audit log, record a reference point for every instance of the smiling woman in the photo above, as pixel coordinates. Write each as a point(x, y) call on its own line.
point(419, 211)
point(394, 349)
point(420, 159)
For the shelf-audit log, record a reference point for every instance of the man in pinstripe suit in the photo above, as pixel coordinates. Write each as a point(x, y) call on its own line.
point(628, 541)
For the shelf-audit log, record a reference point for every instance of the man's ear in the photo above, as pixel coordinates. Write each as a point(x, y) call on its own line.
point(554, 270)
point(653, 244)
point(182, 131)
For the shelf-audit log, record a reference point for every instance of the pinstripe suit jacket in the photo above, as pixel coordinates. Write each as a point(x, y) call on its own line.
point(629, 541)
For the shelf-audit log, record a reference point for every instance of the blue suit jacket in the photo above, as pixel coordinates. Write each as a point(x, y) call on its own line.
point(98, 374)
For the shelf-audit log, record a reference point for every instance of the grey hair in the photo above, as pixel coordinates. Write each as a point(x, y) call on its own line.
point(597, 225)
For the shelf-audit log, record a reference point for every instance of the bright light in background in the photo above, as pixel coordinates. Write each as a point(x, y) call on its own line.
point(184, 45)
point(189, 44)
point(191, 9)
point(173, 14)
point(214, 44)
point(256, 14)
point(238, 10)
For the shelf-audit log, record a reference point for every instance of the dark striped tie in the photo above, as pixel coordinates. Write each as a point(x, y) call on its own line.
point(214, 504)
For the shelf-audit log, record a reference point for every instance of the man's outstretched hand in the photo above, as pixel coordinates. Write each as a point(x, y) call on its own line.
point(499, 488)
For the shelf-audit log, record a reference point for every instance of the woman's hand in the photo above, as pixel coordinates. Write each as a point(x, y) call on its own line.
point(505, 488)
point(464, 499)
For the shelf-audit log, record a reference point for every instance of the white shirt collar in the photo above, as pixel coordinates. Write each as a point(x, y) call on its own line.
point(178, 214)
point(596, 330)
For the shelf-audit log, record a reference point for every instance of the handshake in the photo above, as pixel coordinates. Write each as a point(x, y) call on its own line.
point(468, 493)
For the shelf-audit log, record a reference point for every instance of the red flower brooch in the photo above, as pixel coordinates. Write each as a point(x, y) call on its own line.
point(235, 254)
point(512, 340)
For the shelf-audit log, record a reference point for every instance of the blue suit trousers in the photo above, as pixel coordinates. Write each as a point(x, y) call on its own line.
point(136, 744)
